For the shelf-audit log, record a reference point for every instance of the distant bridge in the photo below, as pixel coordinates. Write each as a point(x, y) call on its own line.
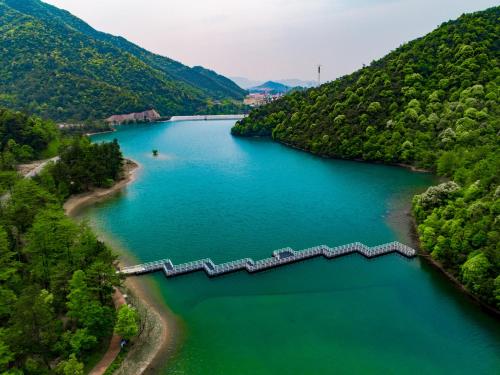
point(207, 117)
point(279, 258)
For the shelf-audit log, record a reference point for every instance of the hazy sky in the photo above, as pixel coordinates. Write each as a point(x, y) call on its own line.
point(270, 39)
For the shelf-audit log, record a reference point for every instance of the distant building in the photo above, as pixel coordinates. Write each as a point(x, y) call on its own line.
point(255, 100)
point(146, 116)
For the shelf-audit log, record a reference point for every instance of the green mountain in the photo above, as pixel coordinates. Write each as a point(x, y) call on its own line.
point(55, 65)
point(431, 103)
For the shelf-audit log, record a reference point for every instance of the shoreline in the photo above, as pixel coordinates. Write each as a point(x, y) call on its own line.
point(147, 355)
point(78, 201)
point(435, 264)
point(359, 160)
point(158, 319)
point(414, 237)
point(490, 310)
point(158, 332)
point(401, 219)
point(103, 132)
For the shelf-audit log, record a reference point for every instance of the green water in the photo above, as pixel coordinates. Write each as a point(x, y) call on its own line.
point(211, 195)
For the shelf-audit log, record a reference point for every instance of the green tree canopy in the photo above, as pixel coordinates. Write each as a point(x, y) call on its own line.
point(127, 322)
point(431, 103)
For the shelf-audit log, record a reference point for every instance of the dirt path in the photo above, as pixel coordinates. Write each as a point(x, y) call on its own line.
point(114, 345)
point(32, 169)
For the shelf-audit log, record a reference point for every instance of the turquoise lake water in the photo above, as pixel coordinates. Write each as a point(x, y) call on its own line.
point(209, 194)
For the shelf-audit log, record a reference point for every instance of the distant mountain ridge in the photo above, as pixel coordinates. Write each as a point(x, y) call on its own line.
point(246, 83)
point(270, 87)
point(55, 65)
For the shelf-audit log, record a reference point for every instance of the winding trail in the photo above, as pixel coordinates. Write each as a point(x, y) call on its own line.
point(114, 345)
point(35, 171)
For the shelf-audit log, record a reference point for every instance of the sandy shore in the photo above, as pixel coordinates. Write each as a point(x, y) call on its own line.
point(156, 340)
point(156, 336)
point(77, 202)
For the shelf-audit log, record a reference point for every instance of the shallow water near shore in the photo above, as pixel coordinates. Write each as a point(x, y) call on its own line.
point(212, 195)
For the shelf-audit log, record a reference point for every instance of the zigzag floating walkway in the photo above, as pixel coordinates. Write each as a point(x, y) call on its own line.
point(279, 258)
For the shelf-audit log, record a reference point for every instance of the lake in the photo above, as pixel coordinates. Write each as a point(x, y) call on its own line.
point(209, 194)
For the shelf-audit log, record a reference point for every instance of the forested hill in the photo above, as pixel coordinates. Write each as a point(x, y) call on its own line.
point(57, 66)
point(56, 278)
point(432, 103)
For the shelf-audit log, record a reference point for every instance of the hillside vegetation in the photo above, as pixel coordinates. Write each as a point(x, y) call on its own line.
point(24, 138)
point(56, 277)
point(431, 103)
point(55, 65)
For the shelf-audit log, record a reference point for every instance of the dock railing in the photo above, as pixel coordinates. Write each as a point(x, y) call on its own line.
point(279, 257)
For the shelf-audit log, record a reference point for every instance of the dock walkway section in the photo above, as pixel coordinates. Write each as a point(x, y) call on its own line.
point(279, 258)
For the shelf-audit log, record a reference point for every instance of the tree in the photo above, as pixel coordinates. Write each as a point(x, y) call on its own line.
point(475, 270)
point(26, 200)
point(103, 278)
point(8, 269)
point(72, 366)
point(24, 137)
point(497, 290)
point(79, 296)
point(50, 242)
point(34, 327)
point(6, 356)
point(85, 309)
point(81, 340)
point(127, 322)
point(374, 107)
